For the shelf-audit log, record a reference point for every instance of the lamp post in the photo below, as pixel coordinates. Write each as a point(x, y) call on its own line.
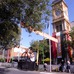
point(50, 48)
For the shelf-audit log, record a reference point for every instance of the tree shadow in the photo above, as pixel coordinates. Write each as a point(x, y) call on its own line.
point(3, 70)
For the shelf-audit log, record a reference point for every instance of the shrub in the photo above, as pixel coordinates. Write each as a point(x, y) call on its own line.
point(46, 60)
point(2, 59)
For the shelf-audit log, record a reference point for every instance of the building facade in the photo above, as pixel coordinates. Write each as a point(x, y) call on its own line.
point(12, 53)
point(61, 27)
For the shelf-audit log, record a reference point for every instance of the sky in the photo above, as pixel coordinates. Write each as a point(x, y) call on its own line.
point(27, 38)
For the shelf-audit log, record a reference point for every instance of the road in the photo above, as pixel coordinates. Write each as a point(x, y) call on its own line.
point(16, 71)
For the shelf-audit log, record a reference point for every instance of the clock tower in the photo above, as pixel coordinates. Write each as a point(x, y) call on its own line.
point(61, 26)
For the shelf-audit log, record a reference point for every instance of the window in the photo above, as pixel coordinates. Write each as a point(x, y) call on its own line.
point(58, 28)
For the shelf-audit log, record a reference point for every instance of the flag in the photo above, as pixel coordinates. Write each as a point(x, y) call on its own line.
point(69, 48)
point(54, 49)
point(69, 51)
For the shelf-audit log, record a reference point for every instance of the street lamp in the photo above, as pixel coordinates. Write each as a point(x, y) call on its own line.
point(50, 48)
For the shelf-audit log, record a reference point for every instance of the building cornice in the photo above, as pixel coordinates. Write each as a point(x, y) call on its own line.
point(58, 1)
point(60, 19)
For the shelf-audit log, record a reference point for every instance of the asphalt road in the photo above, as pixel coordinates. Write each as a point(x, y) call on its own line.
point(16, 71)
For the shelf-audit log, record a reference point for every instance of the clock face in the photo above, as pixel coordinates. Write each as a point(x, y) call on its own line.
point(58, 12)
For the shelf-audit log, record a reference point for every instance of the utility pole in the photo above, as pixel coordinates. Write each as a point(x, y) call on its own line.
point(50, 48)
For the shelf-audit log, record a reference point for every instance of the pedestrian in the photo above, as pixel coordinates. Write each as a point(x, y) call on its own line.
point(45, 66)
point(62, 66)
point(32, 58)
point(68, 66)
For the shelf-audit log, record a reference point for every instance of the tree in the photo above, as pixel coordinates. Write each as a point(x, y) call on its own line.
point(9, 35)
point(36, 15)
point(9, 30)
point(72, 37)
point(42, 47)
point(35, 47)
point(33, 13)
point(71, 43)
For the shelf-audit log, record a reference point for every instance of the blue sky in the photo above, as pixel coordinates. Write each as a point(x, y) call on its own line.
point(26, 38)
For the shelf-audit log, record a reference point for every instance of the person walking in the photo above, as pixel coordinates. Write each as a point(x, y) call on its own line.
point(62, 66)
point(68, 66)
point(32, 58)
point(45, 66)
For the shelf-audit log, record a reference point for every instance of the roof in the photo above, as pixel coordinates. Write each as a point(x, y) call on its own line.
point(56, 1)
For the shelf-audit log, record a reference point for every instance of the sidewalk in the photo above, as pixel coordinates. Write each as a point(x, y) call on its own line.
point(39, 72)
point(3, 69)
point(2, 66)
point(54, 73)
